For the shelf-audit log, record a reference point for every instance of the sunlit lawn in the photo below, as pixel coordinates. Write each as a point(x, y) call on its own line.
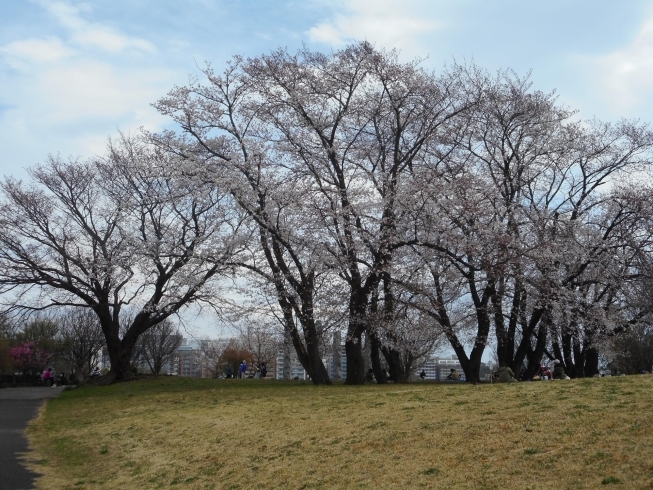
point(187, 433)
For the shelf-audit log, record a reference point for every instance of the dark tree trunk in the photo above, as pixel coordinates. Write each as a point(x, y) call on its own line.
point(591, 362)
point(316, 370)
point(569, 365)
point(392, 355)
point(472, 374)
point(355, 363)
point(395, 365)
point(504, 355)
point(318, 373)
point(535, 355)
point(407, 365)
point(579, 358)
point(525, 345)
point(517, 311)
point(557, 352)
point(120, 364)
point(308, 355)
point(471, 365)
point(353, 342)
point(379, 374)
point(120, 351)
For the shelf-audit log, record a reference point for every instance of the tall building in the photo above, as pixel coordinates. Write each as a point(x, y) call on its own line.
point(296, 369)
point(336, 363)
point(187, 362)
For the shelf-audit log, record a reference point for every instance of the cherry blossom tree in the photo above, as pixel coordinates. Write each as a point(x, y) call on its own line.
point(351, 192)
point(318, 146)
point(126, 229)
point(516, 230)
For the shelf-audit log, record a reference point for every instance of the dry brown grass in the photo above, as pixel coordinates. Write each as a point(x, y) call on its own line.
point(184, 433)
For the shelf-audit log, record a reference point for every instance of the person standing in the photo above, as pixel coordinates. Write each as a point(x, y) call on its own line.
point(47, 377)
point(264, 370)
point(242, 371)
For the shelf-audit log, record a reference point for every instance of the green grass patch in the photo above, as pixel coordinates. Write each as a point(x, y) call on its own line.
point(610, 480)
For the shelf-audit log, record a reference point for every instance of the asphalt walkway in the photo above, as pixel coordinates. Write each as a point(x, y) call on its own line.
point(17, 407)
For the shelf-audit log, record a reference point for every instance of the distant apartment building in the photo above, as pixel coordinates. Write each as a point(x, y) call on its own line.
point(297, 371)
point(186, 361)
point(439, 368)
point(330, 364)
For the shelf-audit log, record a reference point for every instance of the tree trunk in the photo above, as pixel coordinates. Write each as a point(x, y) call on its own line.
point(503, 355)
point(314, 365)
point(535, 356)
point(471, 365)
point(473, 370)
point(392, 356)
point(353, 343)
point(120, 364)
point(525, 344)
point(120, 351)
point(316, 370)
point(355, 363)
point(379, 373)
point(395, 366)
point(556, 350)
point(591, 362)
point(579, 358)
point(569, 366)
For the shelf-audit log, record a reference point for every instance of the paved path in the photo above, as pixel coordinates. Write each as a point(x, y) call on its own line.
point(17, 407)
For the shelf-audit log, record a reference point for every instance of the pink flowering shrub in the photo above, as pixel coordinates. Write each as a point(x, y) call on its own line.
point(29, 358)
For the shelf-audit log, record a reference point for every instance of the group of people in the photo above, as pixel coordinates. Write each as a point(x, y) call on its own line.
point(506, 375)
point(261, 371)
point(50, 379)
point(370, 378)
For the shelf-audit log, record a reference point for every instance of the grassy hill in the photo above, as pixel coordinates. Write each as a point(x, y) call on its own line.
point(194, 433)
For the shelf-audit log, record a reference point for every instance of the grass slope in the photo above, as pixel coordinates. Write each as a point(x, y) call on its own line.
point(188, 433)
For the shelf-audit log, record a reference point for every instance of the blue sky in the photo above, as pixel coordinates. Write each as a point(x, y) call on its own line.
point(73, 73)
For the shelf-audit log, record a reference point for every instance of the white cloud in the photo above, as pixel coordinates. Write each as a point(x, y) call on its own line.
point(67, 93)
point(84, 33)
point(90, 90)
point(48, 50)
point(111, 41)
point(625, 76)
point(387, 23)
